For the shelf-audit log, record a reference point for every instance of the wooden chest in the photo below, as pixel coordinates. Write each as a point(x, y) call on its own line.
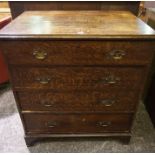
point(77, 73)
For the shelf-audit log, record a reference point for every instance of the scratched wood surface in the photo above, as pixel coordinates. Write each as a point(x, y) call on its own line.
point(63, 24)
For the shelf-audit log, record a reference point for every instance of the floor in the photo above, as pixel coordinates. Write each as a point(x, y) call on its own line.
point(11, 132)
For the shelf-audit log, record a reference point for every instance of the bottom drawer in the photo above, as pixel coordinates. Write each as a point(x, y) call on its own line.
point(77, 123)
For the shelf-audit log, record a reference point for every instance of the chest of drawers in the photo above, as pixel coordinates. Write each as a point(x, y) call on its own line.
point(77, 73)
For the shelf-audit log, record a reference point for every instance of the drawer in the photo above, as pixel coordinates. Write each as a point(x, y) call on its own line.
point(77, 78)
point(75, 123)
point(78, 52)
point(85, 101)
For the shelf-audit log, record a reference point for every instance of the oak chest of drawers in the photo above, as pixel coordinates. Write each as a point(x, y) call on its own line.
point(77, 73)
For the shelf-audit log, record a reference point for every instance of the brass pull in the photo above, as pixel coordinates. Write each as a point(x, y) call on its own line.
point(51, 124)
point(117, 54)
point(43, 80)
point(47, 104)
point(104, 123)
point(40, 55)
point(107, 102)
point(109, 79)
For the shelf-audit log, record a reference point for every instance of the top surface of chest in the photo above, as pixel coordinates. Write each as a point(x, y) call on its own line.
point(77, 24)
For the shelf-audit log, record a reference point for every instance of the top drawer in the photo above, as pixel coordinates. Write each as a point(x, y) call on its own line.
point(78, 52)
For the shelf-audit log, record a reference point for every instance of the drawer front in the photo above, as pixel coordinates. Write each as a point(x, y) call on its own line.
point(78, 101)
point(77, 78)
point(78, 52)
point(74, 123)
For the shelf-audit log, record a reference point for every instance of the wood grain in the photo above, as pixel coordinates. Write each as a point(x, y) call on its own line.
point(78, 52)
point(75, 102)
point(76, 24)
point(18, 7)
point(77, 78)
point(74, 123)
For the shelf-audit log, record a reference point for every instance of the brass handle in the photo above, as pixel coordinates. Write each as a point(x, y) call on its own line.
point(43, 80)
point(117, 54)
point(107, 102)
point(109, 79)
point(51, 124)
point(104, 123)
point(40, 55)
point(47, 103)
